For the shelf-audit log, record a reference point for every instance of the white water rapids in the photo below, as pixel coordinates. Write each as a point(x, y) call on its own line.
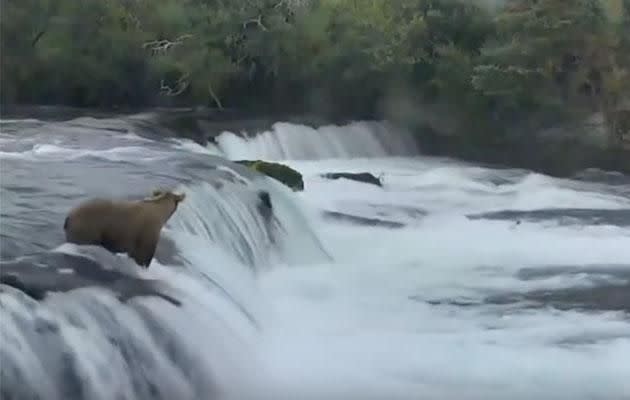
point(341, 311)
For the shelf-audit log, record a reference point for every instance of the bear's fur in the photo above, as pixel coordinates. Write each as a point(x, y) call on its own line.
point(131, 227)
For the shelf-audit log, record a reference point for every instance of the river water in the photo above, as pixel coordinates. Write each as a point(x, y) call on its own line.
point(451, 281)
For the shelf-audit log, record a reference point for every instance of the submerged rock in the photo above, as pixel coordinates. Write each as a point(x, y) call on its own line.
point(49, 272)
point(608, 289)
point(364, 221)
point(605, 297)
point(277, 171)
point(563, 216)
point(364, 177)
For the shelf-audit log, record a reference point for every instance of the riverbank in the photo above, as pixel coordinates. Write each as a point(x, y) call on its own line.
point(560, 152)
point(495, 83)
point(559, 155)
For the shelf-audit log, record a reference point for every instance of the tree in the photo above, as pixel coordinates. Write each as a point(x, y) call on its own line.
point(490, 67)
point(547, 55)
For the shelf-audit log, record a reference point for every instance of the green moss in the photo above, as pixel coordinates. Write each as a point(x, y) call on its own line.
point(280, 172)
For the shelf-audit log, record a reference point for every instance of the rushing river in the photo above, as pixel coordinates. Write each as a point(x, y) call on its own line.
point(451, 281)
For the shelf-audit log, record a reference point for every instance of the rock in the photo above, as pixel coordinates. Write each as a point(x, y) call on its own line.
point(51, 272)
point(609, 296)
point(364, 221)
point(364, 177)
point(277, 171)
point(562, 216)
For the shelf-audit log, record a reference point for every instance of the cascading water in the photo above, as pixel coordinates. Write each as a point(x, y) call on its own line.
point(489, 283)
point(265, 237)
point(177, 330)
point(147, 348)
point(291, 141)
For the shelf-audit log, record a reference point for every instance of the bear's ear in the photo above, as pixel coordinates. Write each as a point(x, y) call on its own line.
point(179, 197)
point(156, 194)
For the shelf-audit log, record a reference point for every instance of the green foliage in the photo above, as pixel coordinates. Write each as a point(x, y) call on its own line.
point(490, 66)
point(538, 49)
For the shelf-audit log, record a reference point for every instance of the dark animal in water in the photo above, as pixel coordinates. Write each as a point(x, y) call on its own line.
point(265, 208)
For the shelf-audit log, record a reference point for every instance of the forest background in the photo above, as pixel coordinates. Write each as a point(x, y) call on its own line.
point(485, 80)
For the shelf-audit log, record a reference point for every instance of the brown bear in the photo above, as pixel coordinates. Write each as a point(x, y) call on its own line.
point(131, 227)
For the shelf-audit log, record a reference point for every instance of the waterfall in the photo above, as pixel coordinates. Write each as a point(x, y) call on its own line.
point(494, 279)
point(292, 141)
point(125, 339)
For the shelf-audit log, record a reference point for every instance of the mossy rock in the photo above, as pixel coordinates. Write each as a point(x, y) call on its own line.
point(277, 171)
point(364, 177)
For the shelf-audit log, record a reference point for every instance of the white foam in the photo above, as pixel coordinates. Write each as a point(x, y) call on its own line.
point(18, 121)
point(453, 188)
point(359, 327)
point(193, 147)
point(48, 152)
point(352, 331)
point(293, 141)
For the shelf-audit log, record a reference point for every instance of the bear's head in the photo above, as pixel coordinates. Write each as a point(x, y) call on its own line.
point(167, 198)
point(161, 194)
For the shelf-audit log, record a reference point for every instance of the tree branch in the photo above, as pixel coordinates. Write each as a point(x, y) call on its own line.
point(257, 21)
point(214, 96)
point(37, 37)
point(291, 3)
point(181, 85)
point(162, 46)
